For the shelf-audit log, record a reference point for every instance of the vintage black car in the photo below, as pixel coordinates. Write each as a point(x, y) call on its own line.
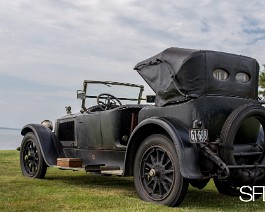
point(205, 122)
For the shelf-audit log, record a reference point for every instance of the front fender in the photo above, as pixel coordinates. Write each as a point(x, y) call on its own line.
point(50, 146)
point(179, 134)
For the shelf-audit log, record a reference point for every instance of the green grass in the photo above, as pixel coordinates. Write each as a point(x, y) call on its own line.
point(79, 191)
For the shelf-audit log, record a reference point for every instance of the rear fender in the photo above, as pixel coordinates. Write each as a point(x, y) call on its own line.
point(178, 133)
point(50, 146)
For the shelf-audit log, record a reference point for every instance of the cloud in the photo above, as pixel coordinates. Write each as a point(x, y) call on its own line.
point(49, 47)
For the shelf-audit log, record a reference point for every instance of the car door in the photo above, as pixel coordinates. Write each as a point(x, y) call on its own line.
point(89, 131)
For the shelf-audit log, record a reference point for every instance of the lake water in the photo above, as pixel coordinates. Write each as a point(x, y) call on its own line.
point(10, 139)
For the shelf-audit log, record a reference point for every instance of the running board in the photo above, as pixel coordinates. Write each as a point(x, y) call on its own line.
point(93, 168)
point(113, 172)
point(69, 168)
point(102, 169)
point(76, 164)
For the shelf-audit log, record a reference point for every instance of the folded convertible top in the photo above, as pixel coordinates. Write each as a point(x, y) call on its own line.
point(177, 74)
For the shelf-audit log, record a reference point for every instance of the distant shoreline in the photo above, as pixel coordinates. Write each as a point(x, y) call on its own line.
point(8, 128)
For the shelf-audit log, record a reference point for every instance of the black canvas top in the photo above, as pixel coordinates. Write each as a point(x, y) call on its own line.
point(177, 74)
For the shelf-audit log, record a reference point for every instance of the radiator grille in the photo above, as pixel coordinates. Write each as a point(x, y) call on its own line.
point(66, 131)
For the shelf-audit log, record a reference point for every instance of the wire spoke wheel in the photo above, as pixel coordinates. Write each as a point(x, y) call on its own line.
point(157, 176)
point(157, 173)
point(31, 160)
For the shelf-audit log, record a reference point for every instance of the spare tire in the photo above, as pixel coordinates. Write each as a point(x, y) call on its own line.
point(252, 116)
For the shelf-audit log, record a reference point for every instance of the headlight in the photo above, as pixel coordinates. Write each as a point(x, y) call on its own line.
point(48, 124)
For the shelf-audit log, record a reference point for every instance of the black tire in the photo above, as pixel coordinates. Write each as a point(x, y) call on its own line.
point(31, 160)
point(157, 176)
point(226, 150)
point(231, 126)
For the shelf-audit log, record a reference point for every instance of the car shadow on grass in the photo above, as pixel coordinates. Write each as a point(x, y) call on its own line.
point(96, 181)
point(212, 200)
point(205, 199)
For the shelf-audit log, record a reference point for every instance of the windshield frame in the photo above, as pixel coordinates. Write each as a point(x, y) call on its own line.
point(85, 90)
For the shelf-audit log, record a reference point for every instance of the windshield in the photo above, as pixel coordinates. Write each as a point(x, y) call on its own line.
point(126, 93)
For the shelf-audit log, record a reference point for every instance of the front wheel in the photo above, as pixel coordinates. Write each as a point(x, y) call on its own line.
point(31, 160)
point(157, 176)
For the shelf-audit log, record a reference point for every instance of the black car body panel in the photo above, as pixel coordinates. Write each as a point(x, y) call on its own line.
point(178, 132)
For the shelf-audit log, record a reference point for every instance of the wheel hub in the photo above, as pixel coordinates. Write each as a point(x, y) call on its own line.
point(152, 173)
point(30, 157)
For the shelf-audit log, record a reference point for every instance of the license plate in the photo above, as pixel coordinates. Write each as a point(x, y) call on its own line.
point(198, 135)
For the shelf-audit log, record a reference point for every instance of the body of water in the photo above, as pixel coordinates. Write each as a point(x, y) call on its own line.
point(10, 139)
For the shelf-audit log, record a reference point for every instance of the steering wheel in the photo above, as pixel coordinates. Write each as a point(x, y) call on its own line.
point(110, 101)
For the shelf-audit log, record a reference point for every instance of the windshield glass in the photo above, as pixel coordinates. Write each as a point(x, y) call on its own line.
point(125, 92)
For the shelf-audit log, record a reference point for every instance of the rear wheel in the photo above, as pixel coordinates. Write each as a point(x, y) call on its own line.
point(31, 160)
point(157, 176)
point(242, 144)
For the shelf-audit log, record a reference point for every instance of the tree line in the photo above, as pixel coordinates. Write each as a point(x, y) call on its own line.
point(262, 83)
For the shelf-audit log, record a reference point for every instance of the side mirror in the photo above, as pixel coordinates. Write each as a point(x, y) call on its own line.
point(150, 98)
point(81, 94)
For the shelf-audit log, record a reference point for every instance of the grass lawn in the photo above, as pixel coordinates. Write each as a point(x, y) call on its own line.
point(79, 191)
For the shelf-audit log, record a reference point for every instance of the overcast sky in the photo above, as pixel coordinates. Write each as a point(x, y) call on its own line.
point(48, 47)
